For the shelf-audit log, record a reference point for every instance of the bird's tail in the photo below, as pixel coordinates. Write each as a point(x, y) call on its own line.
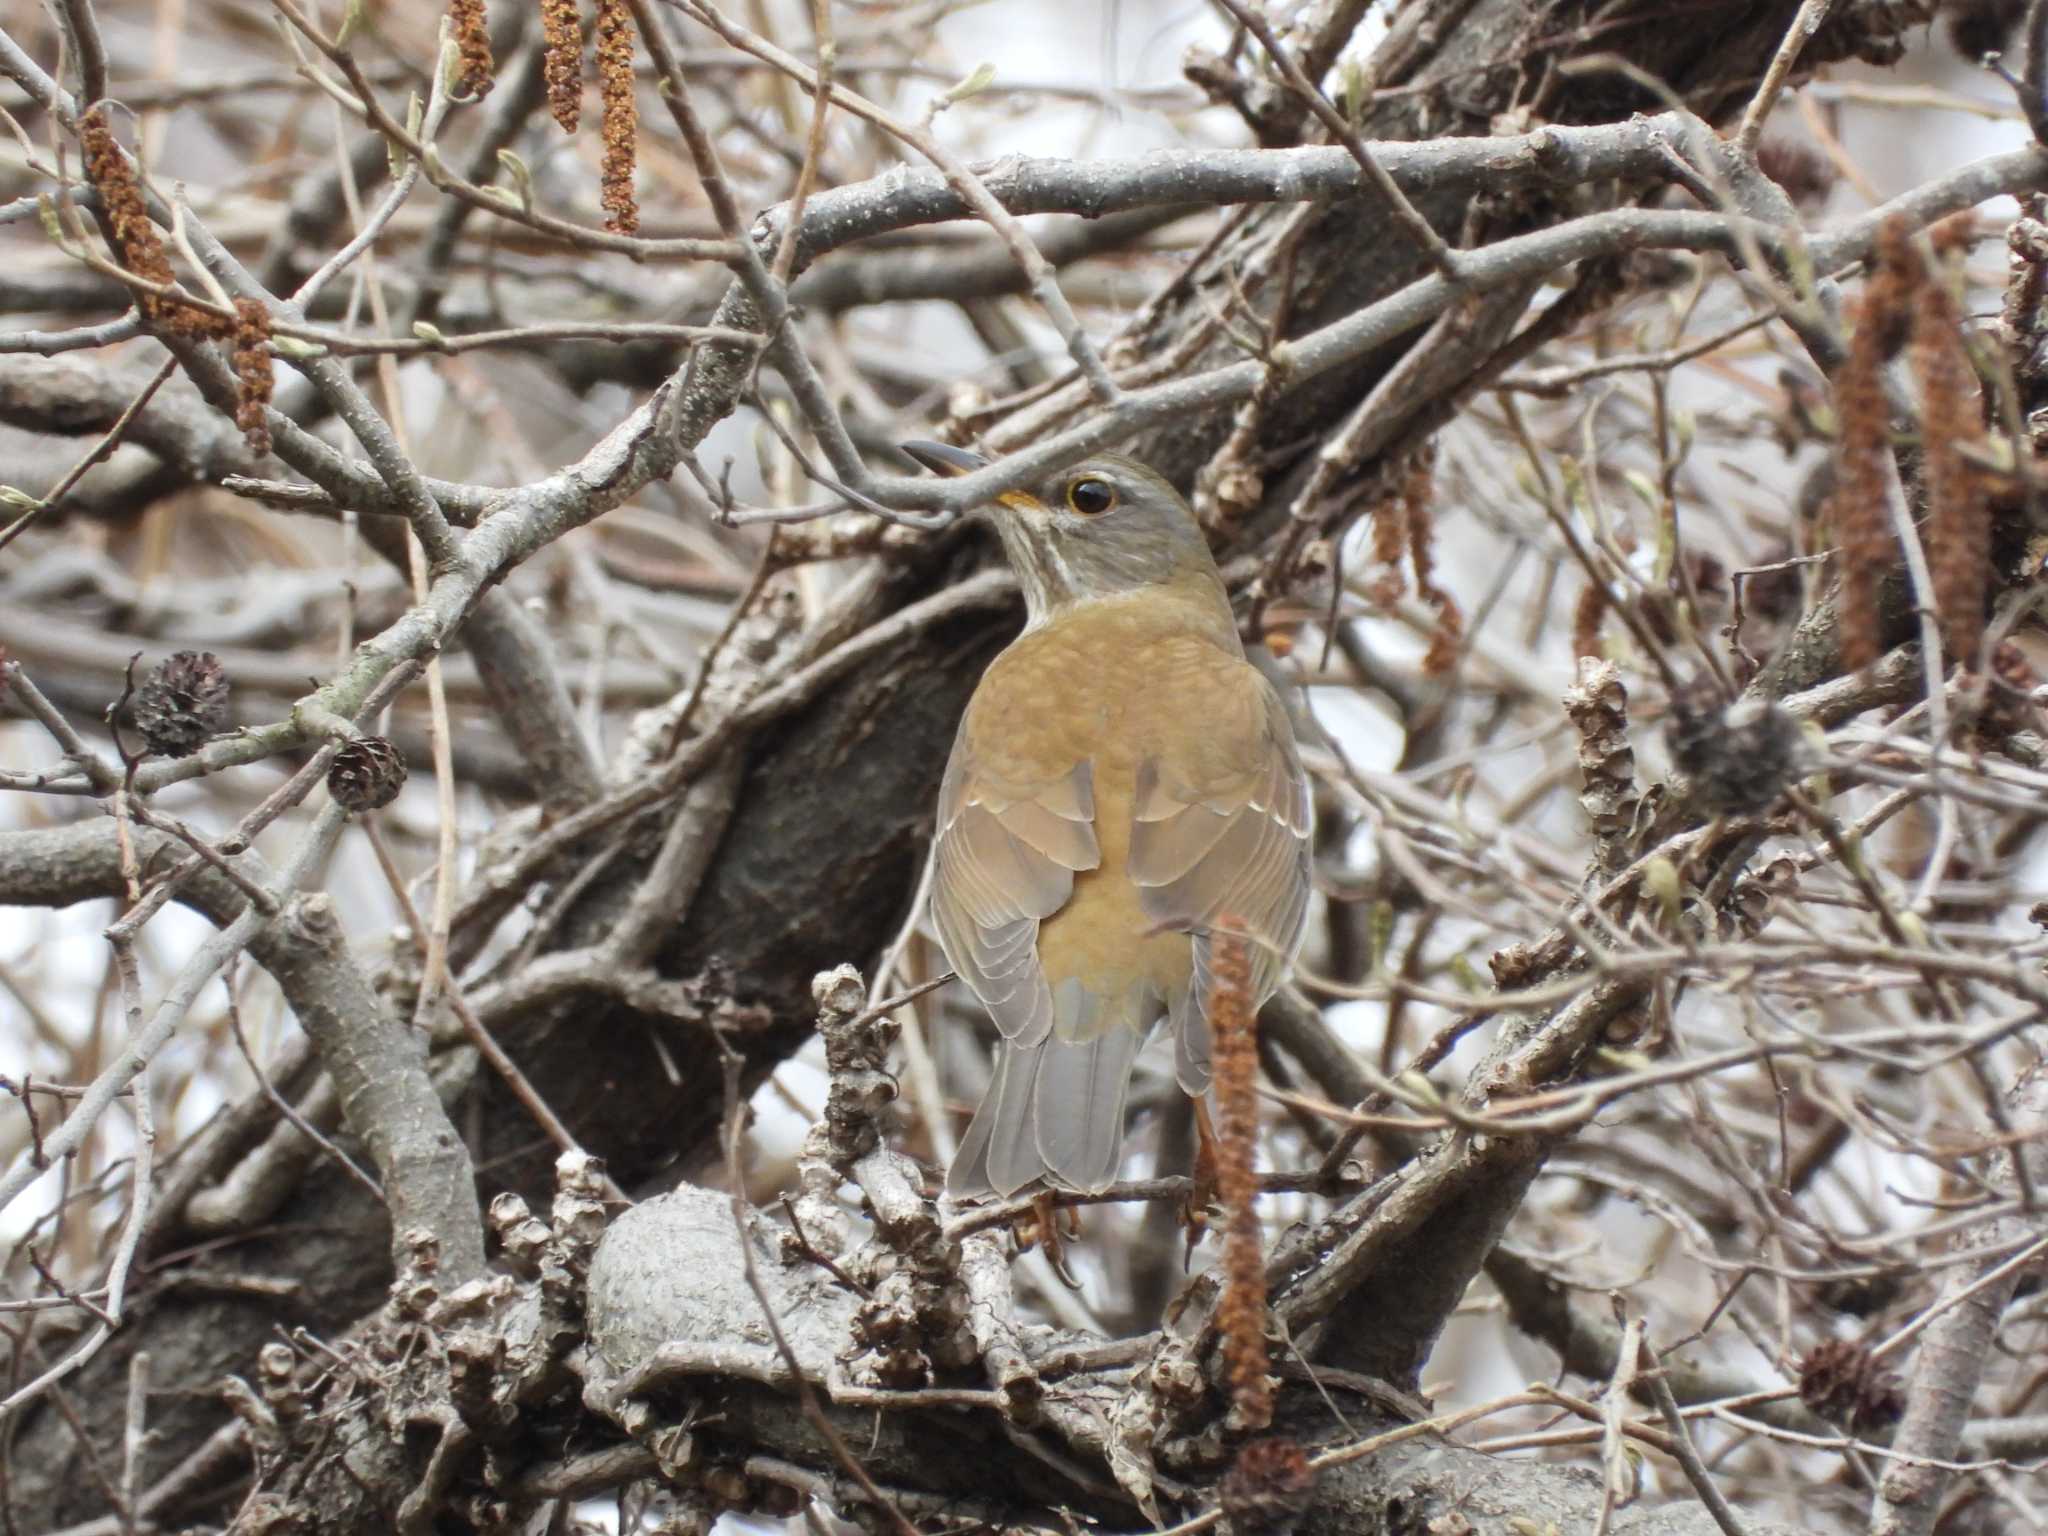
point(1054, 1111)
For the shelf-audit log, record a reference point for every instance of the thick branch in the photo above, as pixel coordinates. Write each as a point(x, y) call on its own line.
point(378, 1064)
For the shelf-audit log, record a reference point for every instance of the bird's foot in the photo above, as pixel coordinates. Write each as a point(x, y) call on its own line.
point(1042, 1226)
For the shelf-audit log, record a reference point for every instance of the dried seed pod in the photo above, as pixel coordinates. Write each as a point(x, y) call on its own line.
point(1841, 1381)
point(1597, 707)
point(367, 774)
point(182, 702)
point(1513, 966)
point(1740, 756)
point(277, 1378)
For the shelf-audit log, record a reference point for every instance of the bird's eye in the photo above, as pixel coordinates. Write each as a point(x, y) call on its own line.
point(1091, 497)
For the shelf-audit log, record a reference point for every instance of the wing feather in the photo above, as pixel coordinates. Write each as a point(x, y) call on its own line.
point(1005, 857)
point(1221, 833)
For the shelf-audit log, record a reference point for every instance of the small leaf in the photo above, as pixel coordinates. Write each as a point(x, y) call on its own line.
point(1662, 885)
point(395, 152)
point(451, 64)
point(1621, 1062)
point(1420, 1089)
point(1798, 266)
point(522, 177)
point(1644, 487)
point(1465, 976)
point(352, 17)
point(1380, 932)
point(1574, 480)
point(1357, 89)
point(1814, 749)
point(983, 76)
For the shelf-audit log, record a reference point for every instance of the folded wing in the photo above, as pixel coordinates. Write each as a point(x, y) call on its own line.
point(1009, 843)
point(1221, 839)
point(1004, 859)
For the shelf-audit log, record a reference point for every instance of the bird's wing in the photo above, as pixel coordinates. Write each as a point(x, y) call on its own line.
point(1010, 837)
point(1220, 839)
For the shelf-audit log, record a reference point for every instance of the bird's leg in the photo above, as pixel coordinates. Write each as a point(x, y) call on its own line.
point(1042, 1226)
point(1194, 1211)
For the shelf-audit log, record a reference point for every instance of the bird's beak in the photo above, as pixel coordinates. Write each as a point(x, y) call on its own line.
point(945, 459)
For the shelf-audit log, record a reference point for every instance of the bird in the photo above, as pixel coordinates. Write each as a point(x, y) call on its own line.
point(1123, 785)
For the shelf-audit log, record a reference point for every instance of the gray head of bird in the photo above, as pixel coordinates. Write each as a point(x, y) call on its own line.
point(1105, 527)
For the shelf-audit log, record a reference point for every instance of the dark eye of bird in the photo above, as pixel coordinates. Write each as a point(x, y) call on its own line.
point(1090, 496)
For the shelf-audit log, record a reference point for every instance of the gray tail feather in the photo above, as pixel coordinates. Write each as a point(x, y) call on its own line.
point(1054, 1111)
point(1189, 1016)
point(1190, 1008)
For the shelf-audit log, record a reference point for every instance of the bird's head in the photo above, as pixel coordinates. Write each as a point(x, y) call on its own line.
point(1105, 527)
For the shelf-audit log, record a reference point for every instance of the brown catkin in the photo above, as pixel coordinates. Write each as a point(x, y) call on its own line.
point(1587, 614)
point(1268, 1488)
point(1954, 235)
point(471, 29)
point(1447, 639)
point(141, 247)
point(253, 377)
point(1958, 508)
point(1418, 515)
point(136, 240)
point(561, 30)
point(1234, 1050)
point(1888, 295)
point(621, 115)
point(1390, 530)
point(1859, 508)
point(1390, 538)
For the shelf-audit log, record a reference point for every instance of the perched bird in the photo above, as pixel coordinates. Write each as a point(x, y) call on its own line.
point(1123, 783)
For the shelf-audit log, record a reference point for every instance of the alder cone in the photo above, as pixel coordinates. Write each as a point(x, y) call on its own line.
point(367, 774)
point(1842, 1382)
point(182, 703)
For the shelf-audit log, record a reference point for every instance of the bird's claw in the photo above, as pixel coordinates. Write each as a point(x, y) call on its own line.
point(1042, 1227)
